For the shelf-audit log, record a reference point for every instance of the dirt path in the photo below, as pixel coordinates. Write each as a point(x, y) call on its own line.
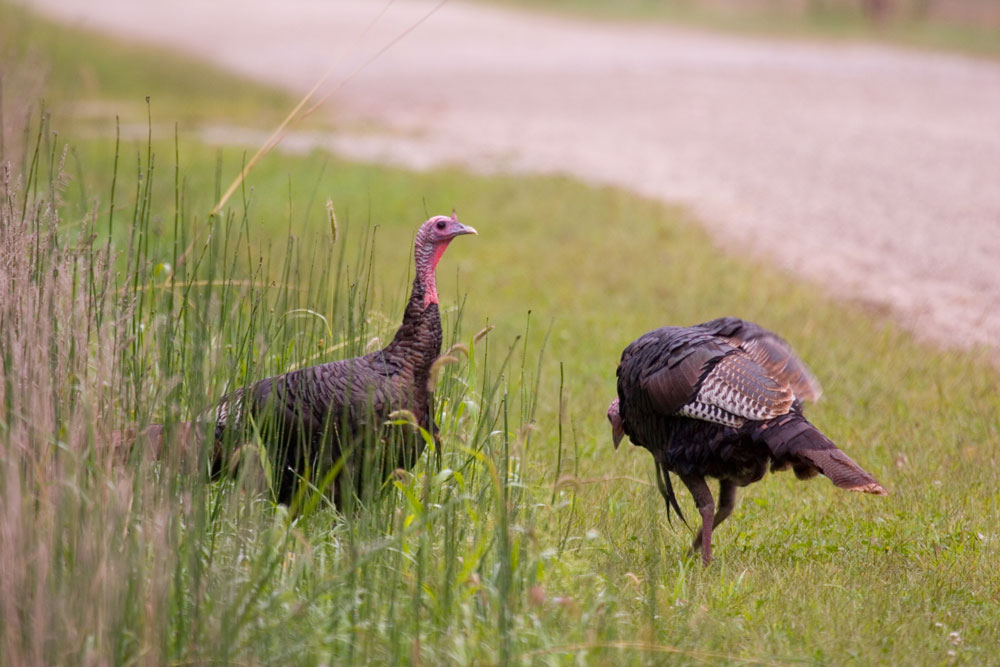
point(872, 171)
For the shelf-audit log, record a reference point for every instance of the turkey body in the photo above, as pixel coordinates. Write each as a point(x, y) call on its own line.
point(326, 424)
point(723, 399)
point(314, 418)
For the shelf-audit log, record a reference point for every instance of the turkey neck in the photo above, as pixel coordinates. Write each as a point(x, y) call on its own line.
point(418, 339)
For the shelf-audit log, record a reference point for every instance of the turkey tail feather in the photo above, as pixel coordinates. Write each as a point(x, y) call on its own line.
point(667, 491)
point(793, 440)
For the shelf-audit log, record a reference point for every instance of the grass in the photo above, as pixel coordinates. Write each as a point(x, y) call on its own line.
point(908, 24)
point(529, 544)
point(87, 81)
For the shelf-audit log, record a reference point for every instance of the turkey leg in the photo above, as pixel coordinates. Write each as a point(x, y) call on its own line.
point(727, 501)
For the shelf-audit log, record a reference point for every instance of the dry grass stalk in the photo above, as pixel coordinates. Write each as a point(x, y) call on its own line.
point(298, 114)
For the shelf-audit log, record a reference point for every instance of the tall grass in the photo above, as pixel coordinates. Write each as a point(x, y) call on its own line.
point(525, 537)
point(110, 555)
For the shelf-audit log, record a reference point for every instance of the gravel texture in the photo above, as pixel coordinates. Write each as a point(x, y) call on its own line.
point(872, 171)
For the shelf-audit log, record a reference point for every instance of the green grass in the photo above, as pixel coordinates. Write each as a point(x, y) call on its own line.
point(837, 20)
point(85, 76)
point(489, 562)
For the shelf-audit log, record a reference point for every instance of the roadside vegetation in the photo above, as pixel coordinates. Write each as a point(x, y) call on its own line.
point(526, 538)
point(86, 79)
point(963, 26)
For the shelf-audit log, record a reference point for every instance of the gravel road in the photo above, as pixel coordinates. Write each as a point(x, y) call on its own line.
point(874, 172)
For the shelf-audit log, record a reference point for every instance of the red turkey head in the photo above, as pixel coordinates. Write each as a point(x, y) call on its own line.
point(442, 229)
point(617, 427)
point(432, 240)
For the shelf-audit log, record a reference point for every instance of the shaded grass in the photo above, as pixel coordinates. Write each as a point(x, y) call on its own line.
point(491, 562)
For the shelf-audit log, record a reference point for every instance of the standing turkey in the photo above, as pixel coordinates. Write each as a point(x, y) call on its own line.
point(723, 399)
point(319, 418)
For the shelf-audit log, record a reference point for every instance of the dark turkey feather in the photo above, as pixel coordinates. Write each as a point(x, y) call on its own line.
point(723, 399)
point(770, 351)
point(792, 440)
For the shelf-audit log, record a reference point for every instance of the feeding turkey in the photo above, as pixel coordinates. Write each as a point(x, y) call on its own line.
point(318, 418)
point(723, 399)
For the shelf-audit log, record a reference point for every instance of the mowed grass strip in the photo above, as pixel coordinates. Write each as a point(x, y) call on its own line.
point(490, 566)
point(84, 76)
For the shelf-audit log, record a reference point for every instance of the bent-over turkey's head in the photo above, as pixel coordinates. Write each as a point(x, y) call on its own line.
point(432, 240)
point(617, 427)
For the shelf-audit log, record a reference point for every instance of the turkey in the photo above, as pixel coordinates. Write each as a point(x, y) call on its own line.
point(318, 418)
point(723, 399)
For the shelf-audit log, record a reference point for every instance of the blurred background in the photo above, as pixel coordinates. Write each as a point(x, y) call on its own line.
point(789, 128)
point(826, 168)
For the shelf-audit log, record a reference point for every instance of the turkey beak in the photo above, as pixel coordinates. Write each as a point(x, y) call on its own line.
point(461, 229)
point(617, 433)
